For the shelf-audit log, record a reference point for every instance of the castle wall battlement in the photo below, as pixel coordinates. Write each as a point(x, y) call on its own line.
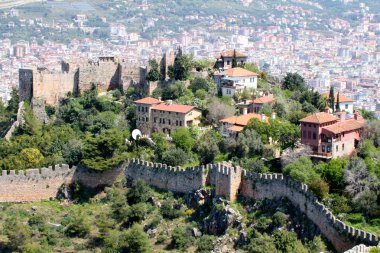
point(228, 181)
point(271, 186)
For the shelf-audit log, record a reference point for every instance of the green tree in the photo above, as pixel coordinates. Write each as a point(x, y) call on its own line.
point(136, 241)
point(175, 157)
point(78, 224)
point(31, 157)
point(72, 151)
point(139, 192)
point(332, 99)
point(13, 102)
point(200, 83)
point(174, 90)
point(319, 187)
point(208, 148)
point(261, 244)
point(181, 238)
point(182, 67)
point(248, 143)
point(293, 81)
point(183, 139)
point(301, 170)
point(337, 106)
point(234, 61)
point(366, 202)
point(154, 73)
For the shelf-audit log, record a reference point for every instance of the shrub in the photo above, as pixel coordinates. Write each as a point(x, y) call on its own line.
point(78, 225)
point(137, 212)
point(140, 192)
point(181, 238)
point(320, 188)
point(206, 244)
point(136, 241)
point(168, 212)
point(279, 219)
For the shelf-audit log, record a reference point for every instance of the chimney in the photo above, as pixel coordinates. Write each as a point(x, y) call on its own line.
point(328, 110)
point(169, 102)
point(263, 117)
point(274, 115)
point(245, 110)
point(245, 101)
point(342, 116)
point(159, 98)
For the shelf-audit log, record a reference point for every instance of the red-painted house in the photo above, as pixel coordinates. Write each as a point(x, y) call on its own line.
point(332, 136)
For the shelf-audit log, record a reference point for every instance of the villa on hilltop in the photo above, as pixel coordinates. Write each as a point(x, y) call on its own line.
point(224, 61)
point(332, 136)
point(235, 80)
point(154, 115)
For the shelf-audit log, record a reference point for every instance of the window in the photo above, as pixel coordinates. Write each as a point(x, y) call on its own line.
point(309, 135)
point(163, 121)
point(323, 148)
point(314, 136)
point(343, 147)
point(346, 106)
point(180, 123)
point(304, 134)
point(337, 148)
point(176, 122)
point(228, 62)
point(147, 119)
point(169, 122)
point(155, 119)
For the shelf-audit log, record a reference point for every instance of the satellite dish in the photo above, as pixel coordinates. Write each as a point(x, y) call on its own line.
point(136, 134)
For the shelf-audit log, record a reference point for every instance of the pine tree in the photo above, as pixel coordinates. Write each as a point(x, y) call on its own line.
point(332, 99)
point(234, 61)
point(337, 106)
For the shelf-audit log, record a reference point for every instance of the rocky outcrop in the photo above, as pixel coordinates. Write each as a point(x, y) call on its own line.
point(222, 217)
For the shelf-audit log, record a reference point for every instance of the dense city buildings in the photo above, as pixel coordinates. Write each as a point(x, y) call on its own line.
point(325, 50)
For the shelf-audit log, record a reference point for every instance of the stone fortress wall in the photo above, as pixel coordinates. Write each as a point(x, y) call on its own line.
point(107, 73)
point(227, 181)
point(44, 183)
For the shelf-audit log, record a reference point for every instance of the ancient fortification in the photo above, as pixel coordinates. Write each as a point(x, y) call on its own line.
point(107, 73)
point(225, 180)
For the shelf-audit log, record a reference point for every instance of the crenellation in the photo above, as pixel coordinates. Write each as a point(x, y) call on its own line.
point(227, 180)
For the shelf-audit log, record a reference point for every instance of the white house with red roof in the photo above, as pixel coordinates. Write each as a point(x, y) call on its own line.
point(332, 136)
point(235, 80)
point(345, 103)
point(154, 115)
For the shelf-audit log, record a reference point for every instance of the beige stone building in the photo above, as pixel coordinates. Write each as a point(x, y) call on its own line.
point(154, 115)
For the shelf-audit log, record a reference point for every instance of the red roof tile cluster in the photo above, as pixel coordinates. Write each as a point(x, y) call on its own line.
point(341, 98)
point(162, 106)
point(238, 72)
point(148, 100)
point(230, 53)
point(346, 126)
point(264, 100)
point(173, 108)
point(242, 120)
point(319, 118)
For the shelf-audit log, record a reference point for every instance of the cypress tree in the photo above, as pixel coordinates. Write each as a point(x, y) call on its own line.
point(234, 61)
point(332, 99)
point(337, 107)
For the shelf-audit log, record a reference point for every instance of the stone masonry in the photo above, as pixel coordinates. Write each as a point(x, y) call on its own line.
point(226, 180)
point(107, 73)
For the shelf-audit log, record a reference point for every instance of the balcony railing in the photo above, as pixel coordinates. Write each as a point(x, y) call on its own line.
point(319, 154)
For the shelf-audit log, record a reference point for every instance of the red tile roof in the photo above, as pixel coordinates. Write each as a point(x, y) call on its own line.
point(173, 108)
point(341, 97)
point(238, 72)
point(235, 128)
point(319, 118)
point(148, 100)
point(264, 100)
point(242, 120)
point(230, 53)
point(346, 126)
